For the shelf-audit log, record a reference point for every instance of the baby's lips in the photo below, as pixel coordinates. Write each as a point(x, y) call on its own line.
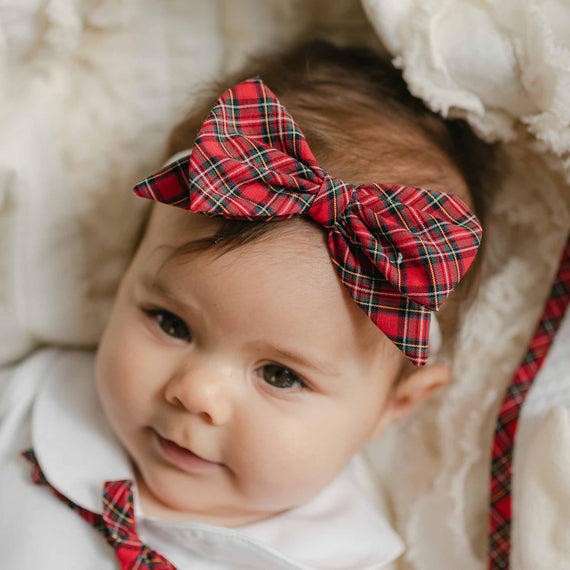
point(180, 449)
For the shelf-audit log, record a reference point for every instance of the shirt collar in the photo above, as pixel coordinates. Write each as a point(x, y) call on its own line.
point(78, 451)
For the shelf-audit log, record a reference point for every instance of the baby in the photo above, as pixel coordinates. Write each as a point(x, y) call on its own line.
point(253, 351)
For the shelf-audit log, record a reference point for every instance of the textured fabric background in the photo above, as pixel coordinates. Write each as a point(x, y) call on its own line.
point(89, 90)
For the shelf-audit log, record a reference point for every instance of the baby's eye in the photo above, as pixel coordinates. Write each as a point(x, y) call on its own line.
point(170, 324)
point(281, 377)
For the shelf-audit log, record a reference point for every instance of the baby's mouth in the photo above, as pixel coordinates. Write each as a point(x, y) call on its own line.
point(182, 457)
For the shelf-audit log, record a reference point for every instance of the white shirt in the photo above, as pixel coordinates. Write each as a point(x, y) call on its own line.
point(50, 404)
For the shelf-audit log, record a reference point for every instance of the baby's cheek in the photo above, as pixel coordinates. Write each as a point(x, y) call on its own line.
point(119, 377)
point(287, 465)
point(108, 385)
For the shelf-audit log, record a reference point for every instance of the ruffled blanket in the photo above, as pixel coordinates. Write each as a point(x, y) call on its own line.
point(504, 66)
point(89, 90)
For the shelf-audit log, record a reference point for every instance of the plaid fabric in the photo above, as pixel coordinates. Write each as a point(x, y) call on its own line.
point(507, 421)
point(399, 250)
point(117, 523)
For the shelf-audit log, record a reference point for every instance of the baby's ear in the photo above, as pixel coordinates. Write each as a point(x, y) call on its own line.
point(413, 388)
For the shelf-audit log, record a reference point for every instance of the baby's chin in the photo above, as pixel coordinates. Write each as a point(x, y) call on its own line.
point(159, 500)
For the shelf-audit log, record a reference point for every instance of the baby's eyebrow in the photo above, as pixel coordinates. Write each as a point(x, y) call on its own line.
point(311, 362)
point(151, 283)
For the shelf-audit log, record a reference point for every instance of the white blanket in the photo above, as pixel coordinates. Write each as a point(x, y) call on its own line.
point(504, 66)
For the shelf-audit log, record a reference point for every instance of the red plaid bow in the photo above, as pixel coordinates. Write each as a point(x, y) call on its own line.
point(399, 250)
point(116, 524)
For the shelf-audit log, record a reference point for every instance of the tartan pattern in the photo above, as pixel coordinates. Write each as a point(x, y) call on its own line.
point(400, 251)
point(499, 544)
point(117, 523)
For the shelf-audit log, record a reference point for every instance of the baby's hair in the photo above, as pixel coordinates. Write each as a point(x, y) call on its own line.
point(362, 125)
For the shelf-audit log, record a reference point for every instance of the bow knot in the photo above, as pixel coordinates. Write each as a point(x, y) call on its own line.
point(117, 522)
point(330, 202)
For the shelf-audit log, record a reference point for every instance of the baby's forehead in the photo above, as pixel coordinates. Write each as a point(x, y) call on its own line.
point(170, 230)
point(174, 226)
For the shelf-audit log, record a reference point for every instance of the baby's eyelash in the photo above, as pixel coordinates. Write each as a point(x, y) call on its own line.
point(162, 317)
point(282, 378)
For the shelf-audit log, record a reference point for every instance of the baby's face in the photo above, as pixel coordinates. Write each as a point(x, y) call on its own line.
point(241, 384)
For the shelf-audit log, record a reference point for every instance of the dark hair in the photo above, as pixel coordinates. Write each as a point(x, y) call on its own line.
point(359, 120)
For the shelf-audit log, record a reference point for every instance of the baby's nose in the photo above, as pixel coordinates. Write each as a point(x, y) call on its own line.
point(204, 388)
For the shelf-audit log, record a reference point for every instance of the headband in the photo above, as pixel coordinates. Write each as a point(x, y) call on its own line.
point(398, 250)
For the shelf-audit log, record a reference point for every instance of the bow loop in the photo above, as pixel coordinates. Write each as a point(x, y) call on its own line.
point(419, 243)
point(330, 202)
point(250, 160)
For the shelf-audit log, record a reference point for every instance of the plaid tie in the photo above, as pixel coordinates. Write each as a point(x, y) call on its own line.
point(398, 250)
point(117, 523)
point(501, 466)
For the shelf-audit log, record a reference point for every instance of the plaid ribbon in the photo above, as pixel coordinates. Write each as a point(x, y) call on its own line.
point(117, 523)
point(399, 250)
point(501, 465)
